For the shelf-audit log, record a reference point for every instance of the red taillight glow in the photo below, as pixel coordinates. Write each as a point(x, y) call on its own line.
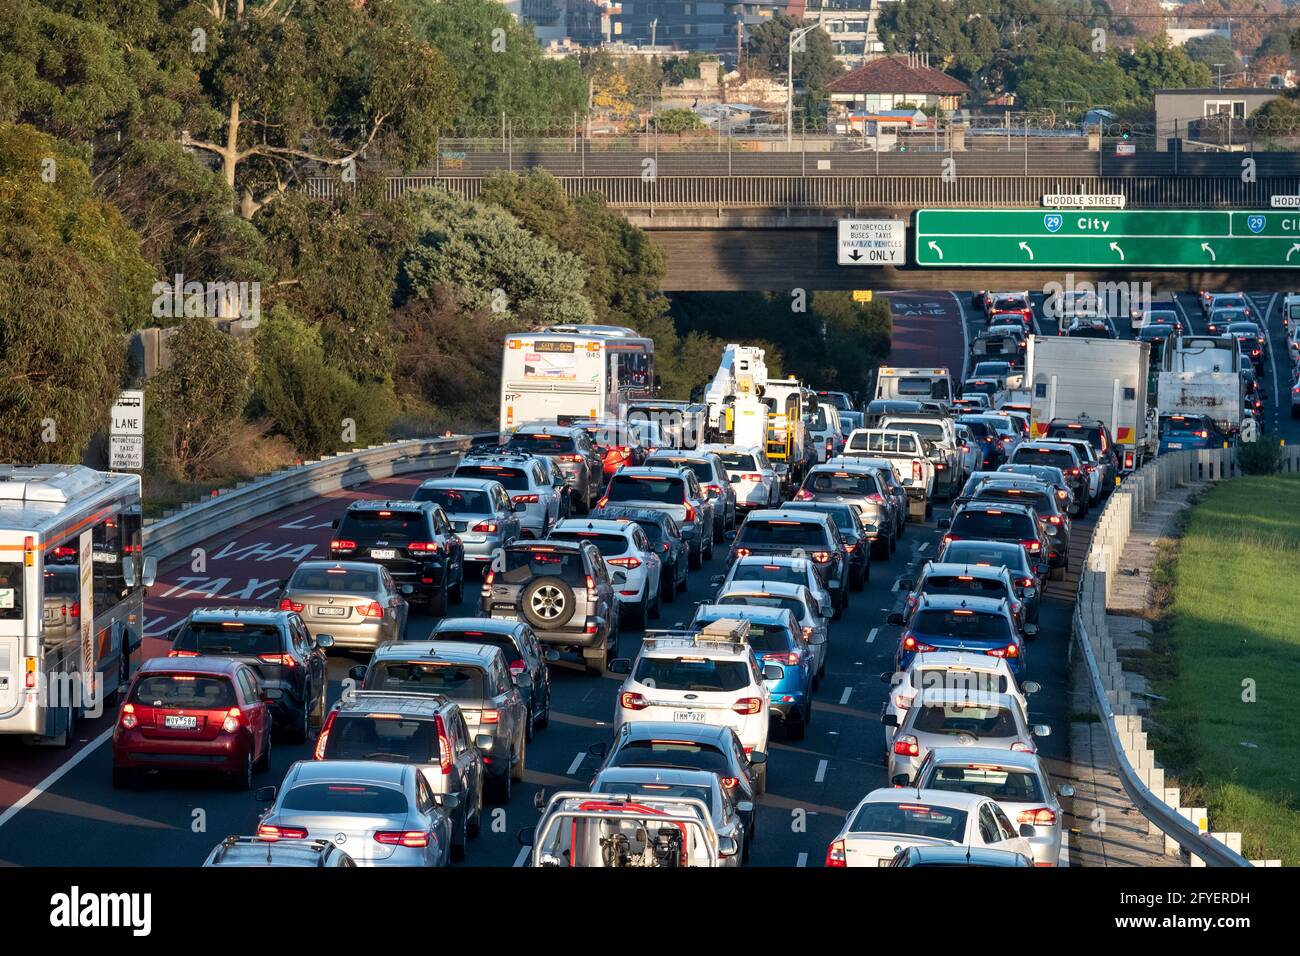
point(1038, 817)
point(129, 720)
point(792, 658)
point(342, 544)
point(821, 557)
point(803, 495)
point(319, 753)
point(370, 610)
point(835, 855)
point(231, 724)
point(632, 701)
point(485, 527)
point(907, 746)
point(288, 605)
point(591, 588)
point(517, 667)
point(628, 562)
point(409, 838)
point(526, 499)
point(742, 552)
point(182, 653)
point(1032, 546)
point(751, 477)
point(444, 746)
point(270, 833)
point(1010, 652)
point(748, 705)
point(489, 716)
point(690, 513)
point(424, 547)
point(284, 660)
point(913, 646)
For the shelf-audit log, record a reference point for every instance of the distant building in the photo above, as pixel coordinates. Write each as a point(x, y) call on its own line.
point(1178, 36)
point(888, 82)
point(709, 25)
point(851, 25)
point(712, 87)
point(1209, 116)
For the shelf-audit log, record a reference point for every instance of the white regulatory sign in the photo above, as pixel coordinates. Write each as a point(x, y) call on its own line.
point(1086, 200)
point(1284, 202)
point(871, 242)
point(125, 452)
point(128, 414)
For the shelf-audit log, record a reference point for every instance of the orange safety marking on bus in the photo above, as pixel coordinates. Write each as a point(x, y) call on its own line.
point(70, 531)
point(1124, 435)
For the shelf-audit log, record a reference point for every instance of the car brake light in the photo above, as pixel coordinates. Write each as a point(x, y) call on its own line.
point(526, 499)
point(1038, 817)
point(591, 588)
point(730, 782)
point(1203, 434)
point(342, 544)
point(821, 557)
point(803, 495)
point(835, 855)
point(284, 660)
point(742, 552)
point(1075, 471)
point(628, 562)
point(324, 735)
point(175, 653)
point(876, 497)
point(444, 745)
point(370, 610)
point(231, 724)
point(288, 605)
point(424, 546)
point(912, 645)
point(489, 716)
point(1025, 582)
point(791, 658)
point(270, 833)
point(1055, 519)
point(129, 720)
point(1010, 652)
point(907, 746)
point(629, 700)
point(486, 527)
point(690, 512)
point(409, 838)
point(1021, 747)
point(751, 477)
point(748, 705)
point(517, 667)
point(1032, 546)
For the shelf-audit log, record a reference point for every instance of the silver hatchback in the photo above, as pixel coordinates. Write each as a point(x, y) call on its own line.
point(356, 603)
point(480, 512)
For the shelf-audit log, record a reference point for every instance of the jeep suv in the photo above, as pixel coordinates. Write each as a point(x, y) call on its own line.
point(279, 647)
point(564, 590)
point(413, 540)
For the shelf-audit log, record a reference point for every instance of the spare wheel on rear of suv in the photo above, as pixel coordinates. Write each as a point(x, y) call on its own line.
point(548, 603)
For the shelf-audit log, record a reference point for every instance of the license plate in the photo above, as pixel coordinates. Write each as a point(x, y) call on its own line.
point(177, 722)
point(1174, 444)
point(884, 862)
point(383, 553)
point(504, 616)
point(332, 611)
point(688, 716)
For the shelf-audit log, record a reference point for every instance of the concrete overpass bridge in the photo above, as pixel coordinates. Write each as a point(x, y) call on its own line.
point(735, 220)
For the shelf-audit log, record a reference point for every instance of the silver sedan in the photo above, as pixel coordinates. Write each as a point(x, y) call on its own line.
point(355, 602)
point(381, 813)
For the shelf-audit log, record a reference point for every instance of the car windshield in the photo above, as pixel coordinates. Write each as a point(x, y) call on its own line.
point(512, 479)
point(997, 783)
point(1056, 457)
point(227, 638)
point(932, 431)
point(793, 605)
point(1090, 433)
point(1045, 472)
point(386, 527)
point(775, 532)
point(1183, 425)
point(843, 514)
point(842, 483)
point(992, 523)
point(703, 469)
point(992, 368)
point(738, 461)
point(1008, 304)
point(542, 444)
point(958, 717)
point(387, 737)
point(964, 584)
point(978, 427)
point(981, 386)
point(335, 580)
point(345, 797)
point(614, 784)
point(507, 647)
point(609, 545)
point(916, 386)
point(771, 573)
point(692, 673)
point(683, 754)
point(962, 623)
point(1244, 328)
point(663, 488)
point(1222, 316)
point(986, 552)
point(526, 564)
point(184, 691)
point(457, 501)
point(1037, 500)
point(458, 681)
point(911, 819)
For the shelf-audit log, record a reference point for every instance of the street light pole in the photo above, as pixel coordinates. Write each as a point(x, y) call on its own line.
point(795, 37)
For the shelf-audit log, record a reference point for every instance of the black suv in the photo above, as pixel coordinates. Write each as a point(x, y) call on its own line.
point(413, 540)
point(563, 589)
point(1000, 521)
point(277, 644)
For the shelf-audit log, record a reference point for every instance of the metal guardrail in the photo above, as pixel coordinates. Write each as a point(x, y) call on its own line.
point(229, 509)
point(1105, 676)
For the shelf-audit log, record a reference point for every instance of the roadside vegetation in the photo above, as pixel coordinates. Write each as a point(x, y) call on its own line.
point(1230, 727)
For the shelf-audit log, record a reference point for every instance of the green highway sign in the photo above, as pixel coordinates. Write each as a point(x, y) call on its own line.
point(1106, 239)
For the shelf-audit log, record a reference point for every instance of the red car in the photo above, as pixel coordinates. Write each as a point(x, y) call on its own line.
point(194, 713)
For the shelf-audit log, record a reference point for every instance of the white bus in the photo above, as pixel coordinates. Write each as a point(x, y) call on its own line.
point(72, 582)
point(578, 371)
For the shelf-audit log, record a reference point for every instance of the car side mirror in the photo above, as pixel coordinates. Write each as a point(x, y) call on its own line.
point(773, 672)
point(1031, 687)
point(900, 780)
point(324, 640)
point(944, 524)
point(598, 750)
point(896, 620)
point(620, 665)
point(1065, 790)
point(889, 720)
point(757, 758)
point(271, 693)
point(149, 571)
point(1041, 569)
point(886, 676)
point(1031, 629)
point(484, 741)
point(727, 847)
point(128, 573)
point(527, 835)
point(817, 639)
point(1042, 730)
point(539, 799)
point(357, 672)
point(906, 584)
point(334, 523)
point(265, 794)
point(717, 580)
point(744, 806)
point(1026, 829)
point(730, 535)
point(551, 654)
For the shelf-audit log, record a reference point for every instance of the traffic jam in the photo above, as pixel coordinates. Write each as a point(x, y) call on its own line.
point(778, 626)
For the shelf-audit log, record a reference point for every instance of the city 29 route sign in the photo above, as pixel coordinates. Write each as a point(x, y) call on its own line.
point(1105, 239)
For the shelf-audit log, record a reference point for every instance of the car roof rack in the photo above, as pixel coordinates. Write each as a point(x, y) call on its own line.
point(364, 696)
point(724, 634)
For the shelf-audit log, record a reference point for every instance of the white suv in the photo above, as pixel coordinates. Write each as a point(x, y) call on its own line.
point(624, 546)
point(752, 477)
point(665, 683)
point(774, 569)
point(529, 481)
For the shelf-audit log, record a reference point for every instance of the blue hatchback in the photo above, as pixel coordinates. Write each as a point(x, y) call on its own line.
point(949, 622)
point(1183, 432)
point(775, 637)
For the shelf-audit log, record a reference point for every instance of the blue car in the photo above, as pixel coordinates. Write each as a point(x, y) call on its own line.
point(952, 622)
point(1183, 432)
point(775, 637)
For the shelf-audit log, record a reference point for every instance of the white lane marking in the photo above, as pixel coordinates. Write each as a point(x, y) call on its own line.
point(523, 855)
point(965, 335)
point(1064, 858)
point(54, 778)
point(872, 636)
point(920, 548)
point(577, 762)
point(844, 697)
point(820, 775)
point(895, 587)
point(803, 860)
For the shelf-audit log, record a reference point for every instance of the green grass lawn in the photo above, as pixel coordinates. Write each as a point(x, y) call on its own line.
point(1233, 633)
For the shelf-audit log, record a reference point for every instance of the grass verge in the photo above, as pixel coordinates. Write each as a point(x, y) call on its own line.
point(1230, 728)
